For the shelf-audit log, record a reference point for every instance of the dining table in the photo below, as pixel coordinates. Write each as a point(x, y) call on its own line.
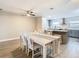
point(46, 40)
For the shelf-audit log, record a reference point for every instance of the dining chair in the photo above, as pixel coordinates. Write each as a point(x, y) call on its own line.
point(34, 47)
point(23, 42)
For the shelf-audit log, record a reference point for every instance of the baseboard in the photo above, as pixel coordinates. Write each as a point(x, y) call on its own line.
point(4, 40)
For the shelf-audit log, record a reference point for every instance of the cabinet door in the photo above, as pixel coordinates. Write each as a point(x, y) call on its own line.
point(74, 33)
point(69, 33)
point(77, 33)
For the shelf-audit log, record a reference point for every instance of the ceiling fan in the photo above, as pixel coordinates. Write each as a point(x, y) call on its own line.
point(29, 12)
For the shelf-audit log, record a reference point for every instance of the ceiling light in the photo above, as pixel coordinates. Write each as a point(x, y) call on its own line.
point(28, 14)
point(51, 8)
point(1, 9)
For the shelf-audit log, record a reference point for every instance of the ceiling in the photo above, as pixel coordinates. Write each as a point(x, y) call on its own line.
point(62, 8)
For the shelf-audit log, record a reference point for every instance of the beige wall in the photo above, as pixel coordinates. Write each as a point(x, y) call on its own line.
point(11, 25)
point(39, 24)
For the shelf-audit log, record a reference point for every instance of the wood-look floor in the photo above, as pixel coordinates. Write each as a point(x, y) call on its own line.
point(7, 47)
point(11, 49)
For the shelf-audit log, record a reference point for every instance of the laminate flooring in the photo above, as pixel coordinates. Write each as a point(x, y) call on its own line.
point(11, 49)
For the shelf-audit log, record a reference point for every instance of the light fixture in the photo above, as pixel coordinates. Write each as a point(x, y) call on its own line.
point(51, 8)
point(28, 15)
point(1, 9)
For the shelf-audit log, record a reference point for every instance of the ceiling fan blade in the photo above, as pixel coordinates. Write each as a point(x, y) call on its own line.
point(29, 11)
point(32, 14)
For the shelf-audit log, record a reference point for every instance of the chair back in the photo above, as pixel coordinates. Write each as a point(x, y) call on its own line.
point(30, 42)
point(23, 39)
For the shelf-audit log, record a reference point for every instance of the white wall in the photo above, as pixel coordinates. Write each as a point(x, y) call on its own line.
point(11, 25)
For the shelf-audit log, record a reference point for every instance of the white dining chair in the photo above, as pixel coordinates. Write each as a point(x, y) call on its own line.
point(33, 47)
point(23, 42)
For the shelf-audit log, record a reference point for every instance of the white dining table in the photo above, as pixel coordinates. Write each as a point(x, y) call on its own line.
point(42, 41)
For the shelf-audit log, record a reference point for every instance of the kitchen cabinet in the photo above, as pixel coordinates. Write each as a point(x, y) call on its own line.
point(74, 33)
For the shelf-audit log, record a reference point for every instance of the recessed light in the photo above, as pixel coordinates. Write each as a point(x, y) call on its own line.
point(51, 8)
point(1, 9)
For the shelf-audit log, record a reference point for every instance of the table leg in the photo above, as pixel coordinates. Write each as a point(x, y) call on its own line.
point(44, 52)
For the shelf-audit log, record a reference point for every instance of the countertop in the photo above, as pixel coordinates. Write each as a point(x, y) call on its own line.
point(59, 30)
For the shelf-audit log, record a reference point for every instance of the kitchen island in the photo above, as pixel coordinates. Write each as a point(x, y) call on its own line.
point(63, 33)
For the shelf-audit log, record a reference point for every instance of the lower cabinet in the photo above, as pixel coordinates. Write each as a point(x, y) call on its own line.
point(73, 33)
